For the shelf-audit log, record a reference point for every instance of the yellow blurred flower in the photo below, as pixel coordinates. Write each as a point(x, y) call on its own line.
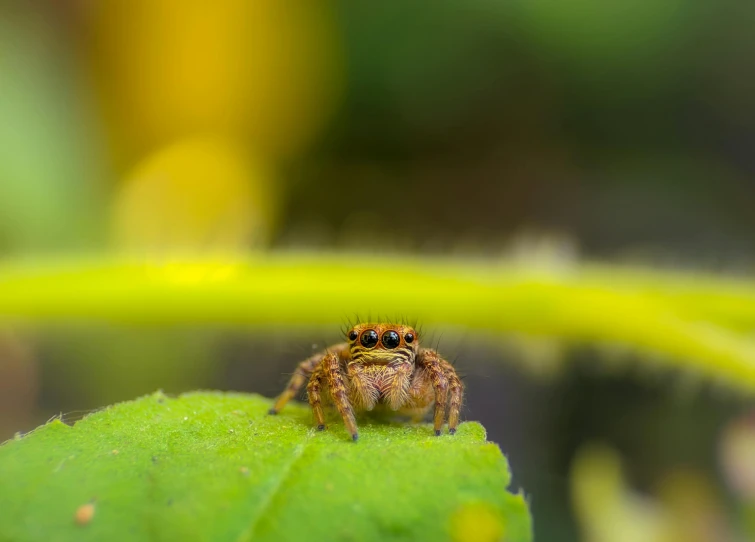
point(197, 194)
point(264, 71)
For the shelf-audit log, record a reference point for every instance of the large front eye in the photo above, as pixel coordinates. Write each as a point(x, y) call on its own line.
point(391, 339)
point(369, 338)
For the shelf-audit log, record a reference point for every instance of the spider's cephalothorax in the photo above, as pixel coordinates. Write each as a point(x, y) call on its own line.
point(381, 364)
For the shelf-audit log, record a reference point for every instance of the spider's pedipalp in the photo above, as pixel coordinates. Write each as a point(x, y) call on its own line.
point(398, 390)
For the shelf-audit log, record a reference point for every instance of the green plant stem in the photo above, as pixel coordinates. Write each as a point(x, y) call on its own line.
point(696, 322)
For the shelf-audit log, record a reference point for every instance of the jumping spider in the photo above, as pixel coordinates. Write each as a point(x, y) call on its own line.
point(380, 365)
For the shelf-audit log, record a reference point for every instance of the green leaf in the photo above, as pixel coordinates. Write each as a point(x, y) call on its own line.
point(214, 466)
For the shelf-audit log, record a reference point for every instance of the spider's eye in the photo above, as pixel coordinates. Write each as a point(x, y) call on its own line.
point(391, 339)
point(369, 338)
point(353, 335)
point(409, 338)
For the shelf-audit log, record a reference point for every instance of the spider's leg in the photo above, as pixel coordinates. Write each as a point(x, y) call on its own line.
point(421, 394)
point(338, 392)
point(301, 375)
point(420, 383)
point(431, 361)
point(456, 391)
point(313, 393)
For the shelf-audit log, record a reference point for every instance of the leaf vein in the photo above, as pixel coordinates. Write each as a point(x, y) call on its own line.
point(262, 510)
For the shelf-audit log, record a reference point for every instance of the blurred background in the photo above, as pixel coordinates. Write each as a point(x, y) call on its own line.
point(615, 131)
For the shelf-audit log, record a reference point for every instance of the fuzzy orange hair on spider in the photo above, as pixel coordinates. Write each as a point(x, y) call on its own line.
point(381, 365)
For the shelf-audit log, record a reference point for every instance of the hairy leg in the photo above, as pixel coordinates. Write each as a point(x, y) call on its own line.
point(313, 394)
point(421, 395)
point(432, 363)
point(339, 393)
point(301, 375)
point(421, 392)
point(456, 391)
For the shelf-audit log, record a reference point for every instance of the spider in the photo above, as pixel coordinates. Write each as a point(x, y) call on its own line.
point(380, 365)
